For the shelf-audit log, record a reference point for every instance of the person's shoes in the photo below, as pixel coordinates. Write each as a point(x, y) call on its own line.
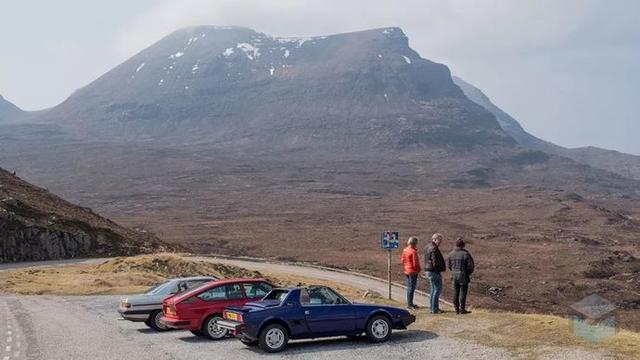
point(437, 311)
point(415, 307)
point(463, 312)
point(411, 307)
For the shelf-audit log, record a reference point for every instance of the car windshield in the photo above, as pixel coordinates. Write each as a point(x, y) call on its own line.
point(277, 294)
point(163, 289)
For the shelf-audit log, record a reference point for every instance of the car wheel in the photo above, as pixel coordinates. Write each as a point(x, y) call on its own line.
point(211, 329)
point(379, 329)
point(154, 321)
point(249, 342)
point(273, 338)
point(197, 332)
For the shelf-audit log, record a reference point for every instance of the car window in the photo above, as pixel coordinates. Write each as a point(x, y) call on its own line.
point(233, 291)
point(224, 292)
point(321, 296)
point(256, 290)
point(192, 284)
point(216, 293)
point(164, 289)
point(277, 294)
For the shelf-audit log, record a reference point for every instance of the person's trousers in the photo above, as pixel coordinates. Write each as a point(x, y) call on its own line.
point(435, 279)
point(460, 295)
point(412, 282)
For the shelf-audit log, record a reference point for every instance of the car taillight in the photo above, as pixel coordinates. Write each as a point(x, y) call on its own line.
point(169, 310)
point(233, 316)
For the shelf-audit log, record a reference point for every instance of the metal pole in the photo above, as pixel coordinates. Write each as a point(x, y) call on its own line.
point(389, 271)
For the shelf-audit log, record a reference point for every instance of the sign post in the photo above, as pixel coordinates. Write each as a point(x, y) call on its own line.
point(389, 240)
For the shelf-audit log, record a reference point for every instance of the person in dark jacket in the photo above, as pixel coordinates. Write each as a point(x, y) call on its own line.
point(434, 265)
point(461, 265)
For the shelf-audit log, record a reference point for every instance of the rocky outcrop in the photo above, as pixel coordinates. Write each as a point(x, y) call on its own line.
point(36, 225)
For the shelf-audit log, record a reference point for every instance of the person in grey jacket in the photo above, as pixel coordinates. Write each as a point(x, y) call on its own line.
point(434, 265)
point(461, 265)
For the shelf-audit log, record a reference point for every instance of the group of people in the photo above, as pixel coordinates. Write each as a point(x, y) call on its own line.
point(459, 262)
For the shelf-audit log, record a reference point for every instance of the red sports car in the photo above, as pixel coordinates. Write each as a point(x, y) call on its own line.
point(199, 309)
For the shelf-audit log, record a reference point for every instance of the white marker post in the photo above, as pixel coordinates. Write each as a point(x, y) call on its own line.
point(389, 240)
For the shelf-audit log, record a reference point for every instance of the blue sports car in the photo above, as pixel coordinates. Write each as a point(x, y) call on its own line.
point(309, 313)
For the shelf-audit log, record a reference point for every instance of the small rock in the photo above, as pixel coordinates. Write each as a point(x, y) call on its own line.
point(495, 291)
point(371, 293)
point(10, 201)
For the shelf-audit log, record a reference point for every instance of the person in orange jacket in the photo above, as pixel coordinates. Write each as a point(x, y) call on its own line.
point(411, 263)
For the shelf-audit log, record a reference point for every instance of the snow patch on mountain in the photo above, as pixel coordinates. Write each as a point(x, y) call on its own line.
point(407, 59)
point(251, 51)
point(176, 55)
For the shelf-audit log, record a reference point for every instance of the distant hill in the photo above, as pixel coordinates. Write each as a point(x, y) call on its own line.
point(37, 225)
point(623, 164)
point(10, 112)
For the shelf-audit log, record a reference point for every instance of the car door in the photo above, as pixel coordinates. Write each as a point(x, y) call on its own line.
point(214, 300)
point(327, 313)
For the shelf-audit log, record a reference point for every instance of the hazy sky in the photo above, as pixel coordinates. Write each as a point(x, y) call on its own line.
point(568, 70)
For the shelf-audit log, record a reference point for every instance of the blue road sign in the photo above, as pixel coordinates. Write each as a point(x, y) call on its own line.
point(390, 240)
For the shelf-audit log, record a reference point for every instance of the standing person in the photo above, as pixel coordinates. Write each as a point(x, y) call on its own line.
point(434, 265)
point(461, 265)
point(411, 264)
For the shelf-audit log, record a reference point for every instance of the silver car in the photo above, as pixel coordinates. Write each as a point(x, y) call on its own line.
point(147, 307)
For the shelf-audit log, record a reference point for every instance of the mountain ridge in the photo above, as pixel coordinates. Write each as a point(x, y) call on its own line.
point(627, 165)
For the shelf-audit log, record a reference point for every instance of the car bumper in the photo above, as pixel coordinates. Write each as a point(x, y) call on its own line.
point(134, 315)
point(235, 327)
point(404, 322)
point(179, 324)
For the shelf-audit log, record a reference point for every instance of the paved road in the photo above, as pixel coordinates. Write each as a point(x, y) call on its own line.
point(87, 327)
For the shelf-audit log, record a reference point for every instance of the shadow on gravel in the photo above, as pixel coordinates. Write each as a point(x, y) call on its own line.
point(313, 346)
point(202, 339)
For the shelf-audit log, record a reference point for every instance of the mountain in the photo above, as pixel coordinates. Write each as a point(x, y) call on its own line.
point(236, 85)
point(9, 112)
point(620, 163)
point(37, 225)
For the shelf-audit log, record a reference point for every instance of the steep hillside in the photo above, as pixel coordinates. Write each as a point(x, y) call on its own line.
point(36, 225)
point(623, 164)
point(9, 112)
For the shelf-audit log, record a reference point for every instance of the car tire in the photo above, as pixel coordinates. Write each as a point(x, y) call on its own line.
point(273, 338)
point(211, 330)
point(197, 332)
point(154, 321)
point(378, 329)
point(249, 342)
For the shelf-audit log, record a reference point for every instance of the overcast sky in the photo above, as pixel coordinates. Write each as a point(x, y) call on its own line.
point(568, 70)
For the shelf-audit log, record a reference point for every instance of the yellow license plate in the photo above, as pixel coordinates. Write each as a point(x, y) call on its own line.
point(232, 316)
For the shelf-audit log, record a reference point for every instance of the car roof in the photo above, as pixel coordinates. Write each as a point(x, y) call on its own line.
point(213, 284)
point(191, 278)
